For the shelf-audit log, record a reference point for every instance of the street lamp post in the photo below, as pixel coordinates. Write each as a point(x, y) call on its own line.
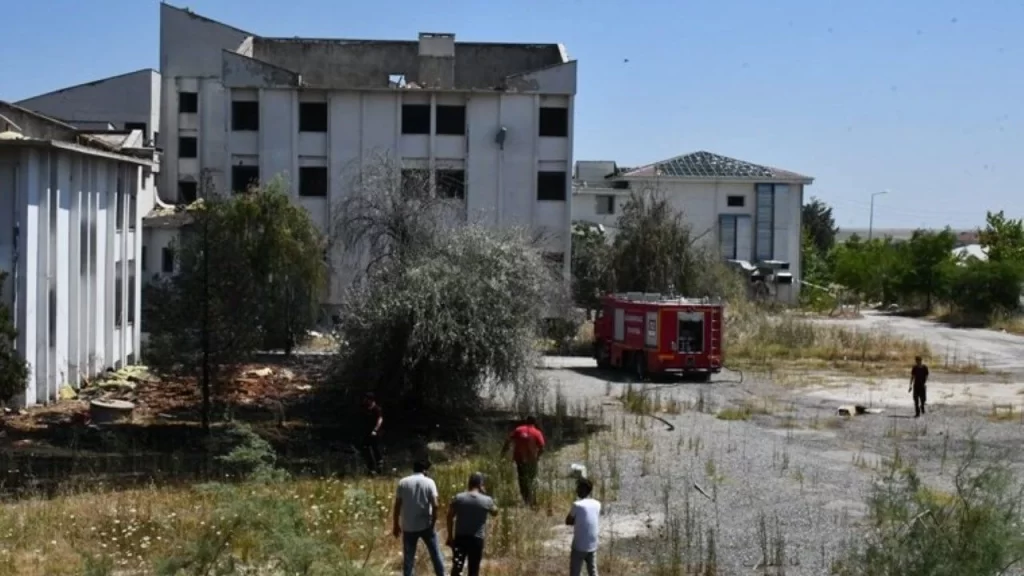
point(871, 218)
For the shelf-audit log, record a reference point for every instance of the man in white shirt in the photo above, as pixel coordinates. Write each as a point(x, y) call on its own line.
point(414, 517)
point(585, 521)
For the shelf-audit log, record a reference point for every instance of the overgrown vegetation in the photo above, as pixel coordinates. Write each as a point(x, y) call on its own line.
point(13, 369)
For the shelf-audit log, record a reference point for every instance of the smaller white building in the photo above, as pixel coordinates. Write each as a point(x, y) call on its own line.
point(70, 243)
point(750, 213)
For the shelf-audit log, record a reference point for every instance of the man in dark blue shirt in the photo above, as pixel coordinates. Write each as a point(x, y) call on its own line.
point(918, 386)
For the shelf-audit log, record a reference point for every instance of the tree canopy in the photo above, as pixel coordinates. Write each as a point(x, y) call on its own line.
point(819, 224)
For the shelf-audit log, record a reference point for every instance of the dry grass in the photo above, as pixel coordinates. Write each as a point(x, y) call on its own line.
point(1013, 325)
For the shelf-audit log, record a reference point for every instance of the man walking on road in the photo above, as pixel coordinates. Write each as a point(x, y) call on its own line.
point(918, 386)
point(528, 446)
point(467, 523)
point(373, 420)
point(585, 518)
point(415, 516)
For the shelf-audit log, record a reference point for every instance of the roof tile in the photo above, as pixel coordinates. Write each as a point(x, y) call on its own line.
point(707, 165)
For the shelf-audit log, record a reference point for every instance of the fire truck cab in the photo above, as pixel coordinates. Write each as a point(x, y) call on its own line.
point(654, 334)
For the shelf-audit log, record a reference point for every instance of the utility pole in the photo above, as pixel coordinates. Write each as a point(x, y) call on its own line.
point(871, 218)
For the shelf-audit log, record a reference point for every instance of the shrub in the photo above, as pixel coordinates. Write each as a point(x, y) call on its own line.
point(13, 369)
point(983, 289)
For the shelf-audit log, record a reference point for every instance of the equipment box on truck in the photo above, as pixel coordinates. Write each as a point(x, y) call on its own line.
point(654, 334)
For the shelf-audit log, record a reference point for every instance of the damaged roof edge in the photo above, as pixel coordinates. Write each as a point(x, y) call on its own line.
point(272, 75)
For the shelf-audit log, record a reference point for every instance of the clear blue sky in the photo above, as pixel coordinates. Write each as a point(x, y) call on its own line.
point(923, 97)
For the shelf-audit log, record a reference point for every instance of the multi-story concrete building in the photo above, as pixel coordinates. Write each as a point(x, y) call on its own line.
point(70, 242)
point(493, 121)
point(751, 213)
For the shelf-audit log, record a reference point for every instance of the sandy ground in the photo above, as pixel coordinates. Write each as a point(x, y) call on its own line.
point(795, 466)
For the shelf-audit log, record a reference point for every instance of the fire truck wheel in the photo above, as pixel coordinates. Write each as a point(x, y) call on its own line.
point(640, 367)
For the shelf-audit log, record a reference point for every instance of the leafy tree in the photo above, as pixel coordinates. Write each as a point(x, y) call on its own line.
point(871, 268)
point(250, 271)
point(928, 267)
point(591, 264)
point(816, 275)
point(1003, 238)
point(820, 225)
point(983, 289)
point(656, 251)
point(13, 369)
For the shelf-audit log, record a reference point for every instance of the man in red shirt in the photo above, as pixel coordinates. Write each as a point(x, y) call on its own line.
point(528, 445)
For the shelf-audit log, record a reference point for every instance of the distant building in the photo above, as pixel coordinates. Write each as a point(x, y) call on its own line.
point(488, 123)
point(747, 211)
point(963, 237)
point(70, 241)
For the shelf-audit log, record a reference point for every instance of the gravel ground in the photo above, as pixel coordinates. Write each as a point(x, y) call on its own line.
point(798, 470)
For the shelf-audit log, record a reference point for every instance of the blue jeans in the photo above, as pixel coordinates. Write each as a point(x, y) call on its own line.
point(409, 541)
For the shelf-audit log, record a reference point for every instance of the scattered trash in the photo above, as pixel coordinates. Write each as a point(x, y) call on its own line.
point(577, 471)
point(857, 410)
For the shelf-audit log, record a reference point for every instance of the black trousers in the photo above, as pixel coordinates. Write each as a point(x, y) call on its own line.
point(920, 395)
point(467, 550)
point(372, 454)
point(527, 475)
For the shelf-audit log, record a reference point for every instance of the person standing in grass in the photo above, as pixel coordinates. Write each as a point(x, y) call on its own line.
point(528, 442)
point(415, 516)
point(373, 420)
point(467, 523)
point(919, 385)
point(585, 521)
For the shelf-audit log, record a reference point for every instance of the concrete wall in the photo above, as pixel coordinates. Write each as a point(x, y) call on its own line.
point(132, 97)
point(71, 255)
point(701, 204)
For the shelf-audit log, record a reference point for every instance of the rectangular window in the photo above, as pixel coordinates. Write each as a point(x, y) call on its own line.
point(167, 260)
point(451, 120)
point(415, 182)
point(451, 184)
point(313, 181)
point(244, 177)
point(188, 192)
point(606, 205)
point(131, 291)
point(188, 147)
point(119, 204)
point(132, 209)
point(188, 102)
point(245, 116)
point(734, 236)
point(119, 295)
point(736, 201)
point(764, 238)
point(145, 259)
point(551, 186)
point(52, 313)
point(416, 119)
point(554, 122)
point(312, 116)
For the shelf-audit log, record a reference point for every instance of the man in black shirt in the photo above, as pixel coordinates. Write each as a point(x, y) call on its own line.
point(374, 419)
point(918, 385)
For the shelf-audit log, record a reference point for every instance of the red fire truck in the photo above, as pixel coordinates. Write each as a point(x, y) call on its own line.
point(654, 334)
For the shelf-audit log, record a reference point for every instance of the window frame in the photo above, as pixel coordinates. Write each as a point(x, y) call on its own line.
point(305, 172)
point(194, 98)
point(310, 123)
point(409, 121)
point(548, 127)
point(450, 109)
point(237, 115)
point(544, 175)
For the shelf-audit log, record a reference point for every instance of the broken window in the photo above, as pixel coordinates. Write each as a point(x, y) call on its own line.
point(131, 291)
point(245, 116)
point(554, 121)
point(416, 119)
point(451, 184)
point(167, 260)
point(551, 186)
point(736, 201)
point(415, 182)
point(244, 177)
point(313, 181)
point(188, 147)
point(451, 120)
point(188, 102)
point(312, 116)
point(187, 192)
point(606, 204)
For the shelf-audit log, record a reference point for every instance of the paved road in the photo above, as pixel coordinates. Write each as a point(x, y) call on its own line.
point(994, 350)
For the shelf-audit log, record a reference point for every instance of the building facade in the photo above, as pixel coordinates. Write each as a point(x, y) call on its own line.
point(746, 212)
point(70, 244)
point(491, 124)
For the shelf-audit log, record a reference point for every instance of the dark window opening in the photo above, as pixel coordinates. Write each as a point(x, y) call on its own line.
point(129, 126)
point(145, 258)
point(451, 184)
point(52, 313)
point(554, 122)
point(415, 182)
point(118, 298)
point(416, 119)
point(131, 291)
point(312, 181)
point(188, 102)
point(736, 201)
point(312, 117)
point(551, 186)
point(188, 147)
point(119, 205)
point(245, 116)
point(167, 260)
point(188, 192)
point(621, 185)
point(132, 210)
point(606, 205)
point(244, 177)
point(451, 120)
